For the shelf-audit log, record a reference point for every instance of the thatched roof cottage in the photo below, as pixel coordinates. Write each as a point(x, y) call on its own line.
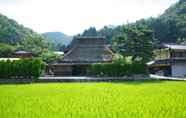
point(83, 52)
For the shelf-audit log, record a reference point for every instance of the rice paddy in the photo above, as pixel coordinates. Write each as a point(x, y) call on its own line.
point(135, 99)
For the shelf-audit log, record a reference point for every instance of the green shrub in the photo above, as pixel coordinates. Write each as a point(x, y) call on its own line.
point(120, 67)
point(24, 68)
point(50, 57)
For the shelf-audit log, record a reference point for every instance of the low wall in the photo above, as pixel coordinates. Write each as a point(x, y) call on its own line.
point(157, 77)
point(74, 79)
point(92, 79)
point(16, 81)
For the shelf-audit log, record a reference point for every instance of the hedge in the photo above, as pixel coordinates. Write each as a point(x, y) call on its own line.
point(118, 69)
point(24, 68)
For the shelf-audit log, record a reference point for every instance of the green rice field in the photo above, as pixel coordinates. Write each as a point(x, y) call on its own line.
point(135, 99)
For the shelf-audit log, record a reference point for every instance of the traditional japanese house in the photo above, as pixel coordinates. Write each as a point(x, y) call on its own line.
point(169, 61)
point(83, 52)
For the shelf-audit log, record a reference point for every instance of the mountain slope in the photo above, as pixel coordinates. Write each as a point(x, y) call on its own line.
point(15, 34)
point(169, 27)
point(12, 32)
point(57, 38)
point(175, 19)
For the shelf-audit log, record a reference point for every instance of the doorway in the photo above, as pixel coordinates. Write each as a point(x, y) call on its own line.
point(79, 70)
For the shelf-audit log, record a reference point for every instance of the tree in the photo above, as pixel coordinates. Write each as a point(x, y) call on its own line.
point(90, 32)
point(137, 42)
point(50, 57)
point(109, 32)
point(35, 45)
point(6, 50)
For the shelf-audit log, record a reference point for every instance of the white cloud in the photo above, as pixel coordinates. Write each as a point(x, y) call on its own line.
point(73, 16)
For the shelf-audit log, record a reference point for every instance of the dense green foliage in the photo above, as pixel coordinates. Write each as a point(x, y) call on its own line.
point(90, 32)
point(25, 68)
point(118, 68)
point(134, 99)
point(136, 42)
point(6, 50)
point(50, 57)
point(170, 26)
point(108, 32)
point(13, 33)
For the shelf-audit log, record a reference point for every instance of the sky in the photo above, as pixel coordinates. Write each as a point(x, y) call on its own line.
point(74, 16)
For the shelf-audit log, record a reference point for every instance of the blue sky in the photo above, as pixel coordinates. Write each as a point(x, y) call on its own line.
point(73, 16)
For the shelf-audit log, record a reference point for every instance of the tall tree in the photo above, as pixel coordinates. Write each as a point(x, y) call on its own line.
point(90, 32)
point(137, 43)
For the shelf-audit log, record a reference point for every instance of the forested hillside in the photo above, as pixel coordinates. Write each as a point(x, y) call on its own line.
point(57, 39)
point(170, 27)
point(16, 35)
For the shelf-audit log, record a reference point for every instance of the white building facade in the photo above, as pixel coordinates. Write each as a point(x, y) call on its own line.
point(169, 61)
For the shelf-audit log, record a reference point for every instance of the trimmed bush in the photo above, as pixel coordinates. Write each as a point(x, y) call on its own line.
point(24, 68)
point(118, 68)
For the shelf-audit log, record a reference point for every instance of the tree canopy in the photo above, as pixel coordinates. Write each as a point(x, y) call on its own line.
point(137, 42)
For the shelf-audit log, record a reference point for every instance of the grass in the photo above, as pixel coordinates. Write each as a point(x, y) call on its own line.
point(137, 99)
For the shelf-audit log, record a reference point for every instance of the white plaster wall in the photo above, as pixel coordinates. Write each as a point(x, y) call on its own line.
point(179, 70)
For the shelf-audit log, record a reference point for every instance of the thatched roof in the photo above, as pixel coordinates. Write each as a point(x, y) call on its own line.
point(89, 50)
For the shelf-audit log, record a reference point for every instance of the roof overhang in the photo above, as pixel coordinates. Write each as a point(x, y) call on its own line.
point(175, 47)
point(165, 62)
